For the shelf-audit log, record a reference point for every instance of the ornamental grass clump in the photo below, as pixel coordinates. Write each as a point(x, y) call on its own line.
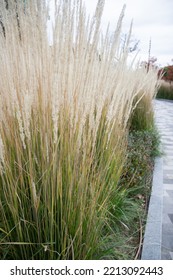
point(64, 112)
point(165, 91)
point(142, 117)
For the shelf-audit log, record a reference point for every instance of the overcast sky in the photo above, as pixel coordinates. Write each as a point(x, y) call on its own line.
point(151, 19)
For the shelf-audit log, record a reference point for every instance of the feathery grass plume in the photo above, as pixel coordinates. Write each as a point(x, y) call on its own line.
point(166, 90)
point(63, 123)
point(143, 114)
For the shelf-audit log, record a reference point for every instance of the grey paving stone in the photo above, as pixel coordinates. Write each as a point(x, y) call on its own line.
point(167, 241)
point(168, 187)
point(167, 207)
point(167, 149)
point(166, 256)
point(169, 157)
point(157, 184)
point(165, 172)
point(166, 195)
point(168, 152)
point(168, 162)
point(167, 181)
point(165, 219)
point(171, 253)
point(153, 233)
point(155, 209)
point(171, 217)
point(165, 127)
point(168, 144)
point(167, 167)
point(167, 175)
point(167, 228)
point(167, 140)
point(168, 201)
point(157, 240)
point(170, 193)
point(151, 252)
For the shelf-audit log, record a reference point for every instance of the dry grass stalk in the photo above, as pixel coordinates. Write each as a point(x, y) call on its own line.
point(64, 113)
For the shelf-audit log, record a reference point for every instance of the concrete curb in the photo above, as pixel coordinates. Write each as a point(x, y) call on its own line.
point(153, 231)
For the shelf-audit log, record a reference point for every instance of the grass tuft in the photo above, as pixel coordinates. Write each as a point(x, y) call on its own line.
point(64, 118)
point(165, 91)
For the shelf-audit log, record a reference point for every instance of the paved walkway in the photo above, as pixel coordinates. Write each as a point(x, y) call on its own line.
point(164, 122)
point(158, 239)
